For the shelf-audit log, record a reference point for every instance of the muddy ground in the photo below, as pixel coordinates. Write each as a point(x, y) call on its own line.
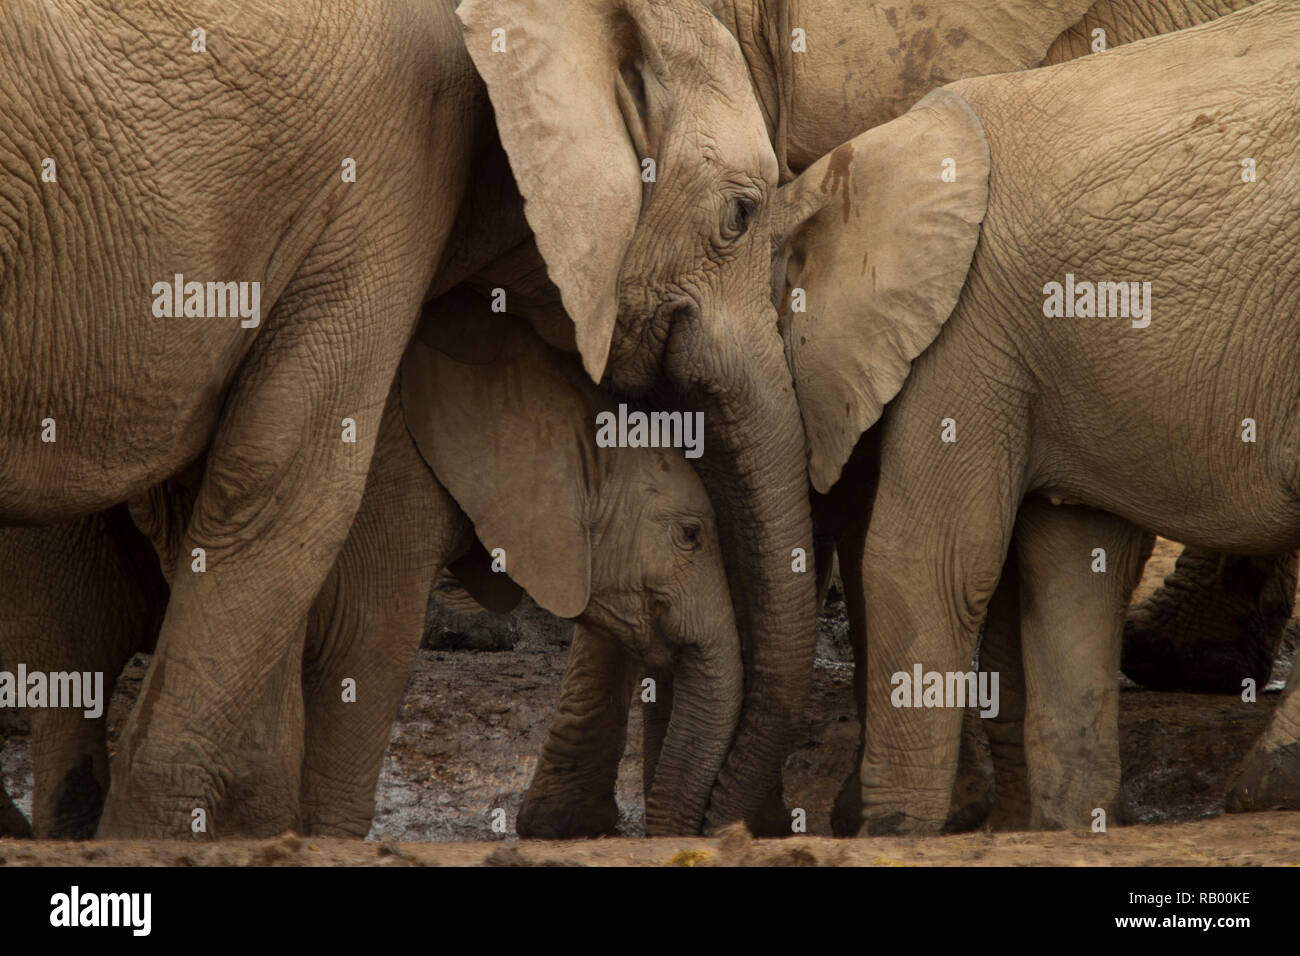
point(473, 720)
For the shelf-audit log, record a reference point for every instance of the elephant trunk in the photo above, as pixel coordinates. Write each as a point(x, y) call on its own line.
point(755, 469)
point(706, 697)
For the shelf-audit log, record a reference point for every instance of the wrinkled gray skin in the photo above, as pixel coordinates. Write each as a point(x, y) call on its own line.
point(658, 594)
point(933, 558)
point(344, 268)
point(811, 102)
point(154, 179)
point(883, 58)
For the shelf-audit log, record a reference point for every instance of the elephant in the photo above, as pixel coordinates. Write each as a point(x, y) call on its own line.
point(930, 254)
point(229, 275)
point(622, 539)
point(883, 58)
point(385, 208)
point(812, 102)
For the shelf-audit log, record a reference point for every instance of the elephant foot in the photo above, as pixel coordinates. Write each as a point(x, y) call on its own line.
point(73, 812)
point(564, 817)
point(1216, 620)
point(773, 818)
point(1268, 779)
point(12, 821)
point(888, 822)
point(972, 790)
point(148, 806)
point(846, 813)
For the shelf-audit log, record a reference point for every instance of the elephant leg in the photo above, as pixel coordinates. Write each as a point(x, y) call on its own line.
point(1269, 777)
point(108, 603)
point(365, 629)
point(655, 718)
point(572, 792)
point(279, 494)
point(844, 514)
point(1217, 619)
point(1000, 654)
point(262, 797)
point(1078, 568)
point(929, 573)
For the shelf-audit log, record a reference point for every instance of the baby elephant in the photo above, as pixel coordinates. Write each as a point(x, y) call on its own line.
point(623, 539)
point(1094, 268)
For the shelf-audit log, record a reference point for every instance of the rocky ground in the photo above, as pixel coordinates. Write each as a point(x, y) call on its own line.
point(476, 710)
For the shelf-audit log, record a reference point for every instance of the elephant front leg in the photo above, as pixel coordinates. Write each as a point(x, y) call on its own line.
point(262, 798)
point(949, 487)
point(926, 590)
point(1078, 567)
point(1269, 777)
point(282, 484)
point(572, 793)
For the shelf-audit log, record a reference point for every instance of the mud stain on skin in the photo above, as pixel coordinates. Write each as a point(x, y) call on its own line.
point(839, 174)
point(918, 59)
point(891, 17)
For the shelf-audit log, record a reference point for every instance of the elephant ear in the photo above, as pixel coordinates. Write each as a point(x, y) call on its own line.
point(882, 233)
point(581, 92)
point(511, 436)
point(494, 591)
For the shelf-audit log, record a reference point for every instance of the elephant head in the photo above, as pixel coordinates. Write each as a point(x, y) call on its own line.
point(876, 241)
point(623, 539)
point(644, 161)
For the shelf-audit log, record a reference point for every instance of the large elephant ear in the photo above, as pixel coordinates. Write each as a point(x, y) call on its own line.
point(581, 90)
point(511, 436)
point(882, 233)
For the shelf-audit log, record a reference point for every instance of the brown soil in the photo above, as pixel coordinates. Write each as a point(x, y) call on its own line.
point(472, 722)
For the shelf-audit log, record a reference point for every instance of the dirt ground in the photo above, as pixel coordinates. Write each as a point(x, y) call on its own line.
point(473, 720)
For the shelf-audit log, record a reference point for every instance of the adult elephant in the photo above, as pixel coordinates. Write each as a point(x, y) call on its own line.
point(190, 265)
point(622, 539)
point(860, 68)
point(337, 232)
point(1021, 408)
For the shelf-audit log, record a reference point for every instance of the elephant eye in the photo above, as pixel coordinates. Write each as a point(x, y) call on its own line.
point(740, 212)
point(688, 535)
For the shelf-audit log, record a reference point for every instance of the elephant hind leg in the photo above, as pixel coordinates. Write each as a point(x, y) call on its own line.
point(1078, 568)
point(1269, 777)
point(1216, 620)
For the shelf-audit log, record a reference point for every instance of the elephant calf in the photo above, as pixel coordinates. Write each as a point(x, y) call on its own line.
point(1044, 272)
point(622, 539)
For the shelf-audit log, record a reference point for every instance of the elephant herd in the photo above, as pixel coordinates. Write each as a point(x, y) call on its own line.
point(977, 297)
